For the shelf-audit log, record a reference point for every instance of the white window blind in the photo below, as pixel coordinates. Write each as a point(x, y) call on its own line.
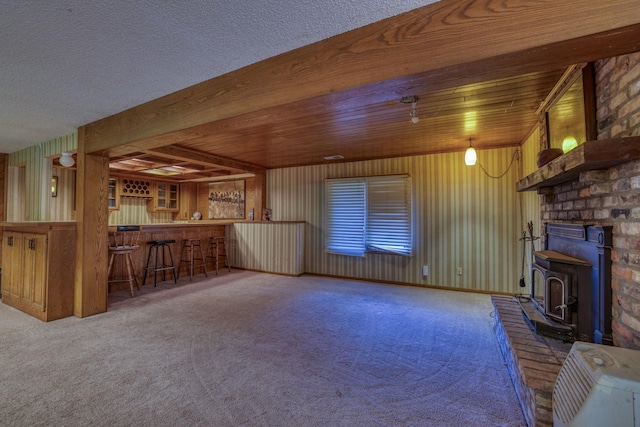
point(389, 214)
point(345, 216)
point(371, 214)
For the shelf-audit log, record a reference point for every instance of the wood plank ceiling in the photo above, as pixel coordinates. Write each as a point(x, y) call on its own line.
point(496, 113)
point(260, 117)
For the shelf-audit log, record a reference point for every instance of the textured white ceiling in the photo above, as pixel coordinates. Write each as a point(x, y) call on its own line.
point(66, 63)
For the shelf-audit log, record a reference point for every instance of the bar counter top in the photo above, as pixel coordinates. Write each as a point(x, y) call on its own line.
point(200, 223)
point(170, 225)
point(39, 226)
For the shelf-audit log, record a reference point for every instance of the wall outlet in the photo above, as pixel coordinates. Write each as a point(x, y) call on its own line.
point(425, 270)
point(459, 271)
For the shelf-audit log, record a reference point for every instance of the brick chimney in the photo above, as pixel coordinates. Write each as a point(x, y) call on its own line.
point(612, 197)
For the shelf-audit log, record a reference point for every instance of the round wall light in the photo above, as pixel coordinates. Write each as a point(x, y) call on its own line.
point(66, 159)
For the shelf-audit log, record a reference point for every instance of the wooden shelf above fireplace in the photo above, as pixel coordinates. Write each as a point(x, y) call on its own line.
point(592, 155)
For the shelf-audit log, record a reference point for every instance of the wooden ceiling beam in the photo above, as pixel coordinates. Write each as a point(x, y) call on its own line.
point(199, 157)
point(442, 44)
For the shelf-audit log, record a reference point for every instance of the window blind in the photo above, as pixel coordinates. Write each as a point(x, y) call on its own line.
point(389, 214)
point(345, 216)
point(371, 214)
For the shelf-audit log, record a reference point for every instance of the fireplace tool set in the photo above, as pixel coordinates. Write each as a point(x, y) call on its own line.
point(525, 239)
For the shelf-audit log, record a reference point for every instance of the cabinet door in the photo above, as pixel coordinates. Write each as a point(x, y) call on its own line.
point(188, 199)
point(113, 197)
point(34, 289)
point(161, 195)
point(35, 270)
point(12, 264)
point(166, 197)
point(172, 199)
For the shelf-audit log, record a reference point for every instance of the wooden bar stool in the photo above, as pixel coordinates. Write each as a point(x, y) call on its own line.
point(192, 252)
point(158, 246)
point(122, 243)
point(217, 251)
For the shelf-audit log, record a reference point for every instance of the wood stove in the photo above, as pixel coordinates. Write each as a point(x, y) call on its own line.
point(556, 290)
point(571, 284)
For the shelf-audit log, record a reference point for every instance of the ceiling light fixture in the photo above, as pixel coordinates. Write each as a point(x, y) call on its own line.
point(66, 159)
point(413, 100)
point(470, 156)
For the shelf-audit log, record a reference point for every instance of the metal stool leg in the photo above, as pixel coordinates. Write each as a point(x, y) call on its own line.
point(159, 245)
point(144, 279)
point(173, 270)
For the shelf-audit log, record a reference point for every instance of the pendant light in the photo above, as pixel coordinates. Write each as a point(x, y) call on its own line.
point(413, 100)
point(470, 156)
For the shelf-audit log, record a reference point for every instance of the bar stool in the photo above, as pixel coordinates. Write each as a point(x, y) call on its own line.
point(217, 251)
point(122, 243)
point(190, 249)
point(159, 246)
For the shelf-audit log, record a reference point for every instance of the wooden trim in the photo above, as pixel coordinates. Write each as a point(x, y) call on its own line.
point(592, 155)
point(589, 92)
point(565, 82)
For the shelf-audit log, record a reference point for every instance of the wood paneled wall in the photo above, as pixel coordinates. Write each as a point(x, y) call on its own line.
point(462, 219)
point(29, 181)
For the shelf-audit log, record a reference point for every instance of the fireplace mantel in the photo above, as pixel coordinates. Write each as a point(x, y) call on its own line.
point(591, 155)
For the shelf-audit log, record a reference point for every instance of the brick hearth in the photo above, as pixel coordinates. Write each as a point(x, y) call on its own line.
point(533, 360)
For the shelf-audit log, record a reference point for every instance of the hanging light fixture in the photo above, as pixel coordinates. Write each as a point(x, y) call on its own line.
point(66, 159)
point(413, 100)
point(470, 156)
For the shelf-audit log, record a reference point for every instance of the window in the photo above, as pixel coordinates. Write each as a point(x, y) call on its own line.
point(370, 214)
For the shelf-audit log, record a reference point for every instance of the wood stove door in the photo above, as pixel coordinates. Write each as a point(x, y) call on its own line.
point(558, 301)
point(538, 284)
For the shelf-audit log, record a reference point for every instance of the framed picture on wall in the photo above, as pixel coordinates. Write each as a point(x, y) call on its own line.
point(227, 199)
point(54, 186)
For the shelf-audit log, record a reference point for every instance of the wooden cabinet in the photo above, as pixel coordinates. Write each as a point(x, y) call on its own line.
point(26, 253)
point(113, 194)
point(166, 197)
point(188, 200)
point(38, 270)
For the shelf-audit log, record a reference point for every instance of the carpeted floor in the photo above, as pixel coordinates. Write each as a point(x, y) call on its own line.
point(251, 349)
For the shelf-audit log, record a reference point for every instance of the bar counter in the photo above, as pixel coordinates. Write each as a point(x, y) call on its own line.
point(167, 231)
point(268, 246)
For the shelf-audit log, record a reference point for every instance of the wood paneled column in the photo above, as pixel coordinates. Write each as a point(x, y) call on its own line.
point(91, 239)
point(260, 198)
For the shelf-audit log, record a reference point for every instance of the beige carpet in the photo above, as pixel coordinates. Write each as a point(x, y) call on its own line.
point(251, 349)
